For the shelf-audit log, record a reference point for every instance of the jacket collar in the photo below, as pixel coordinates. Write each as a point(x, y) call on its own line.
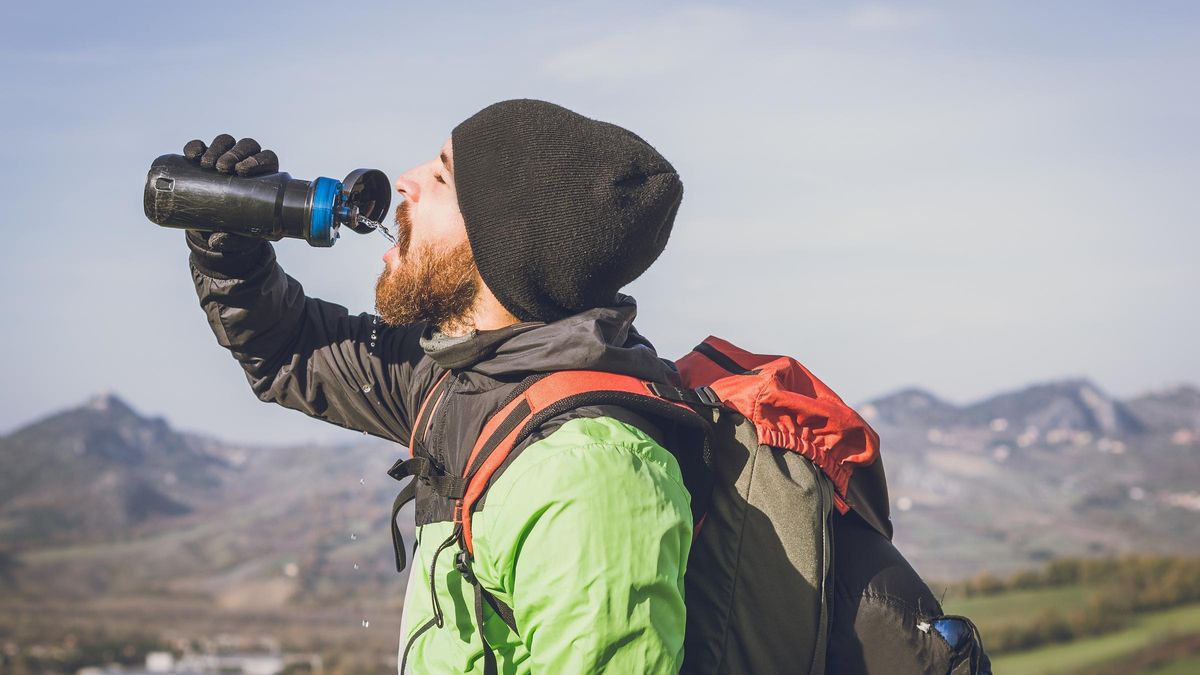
point(463, 352)
point(602, 338)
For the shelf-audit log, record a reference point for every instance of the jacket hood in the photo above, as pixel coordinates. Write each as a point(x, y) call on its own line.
point(602, 338)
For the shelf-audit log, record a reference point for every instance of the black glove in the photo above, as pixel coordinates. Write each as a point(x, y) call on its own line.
point(223, 254)
point(245, 157)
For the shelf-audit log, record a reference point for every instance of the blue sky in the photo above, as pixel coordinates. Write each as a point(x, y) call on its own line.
point(969, 197)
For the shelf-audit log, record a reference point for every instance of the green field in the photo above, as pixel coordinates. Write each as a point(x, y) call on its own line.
point(993, 612)
point(1188, 666)
point(1144, 631)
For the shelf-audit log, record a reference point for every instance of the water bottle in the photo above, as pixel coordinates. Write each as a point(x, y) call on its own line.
point(180, 194)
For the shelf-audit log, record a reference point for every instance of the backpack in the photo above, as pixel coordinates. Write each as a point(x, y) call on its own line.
point(783, 475)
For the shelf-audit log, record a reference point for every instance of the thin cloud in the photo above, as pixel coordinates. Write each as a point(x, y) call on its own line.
point(662, 45)
point(881, 18)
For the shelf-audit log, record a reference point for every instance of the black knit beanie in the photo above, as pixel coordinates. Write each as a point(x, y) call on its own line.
point(561, 210)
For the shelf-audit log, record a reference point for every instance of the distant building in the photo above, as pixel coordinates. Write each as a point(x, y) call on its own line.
point(164, 663)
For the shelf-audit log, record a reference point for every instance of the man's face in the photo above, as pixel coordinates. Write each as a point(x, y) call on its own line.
point(430, 274)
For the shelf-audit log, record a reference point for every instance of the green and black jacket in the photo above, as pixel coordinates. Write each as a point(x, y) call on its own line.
point(586, 530)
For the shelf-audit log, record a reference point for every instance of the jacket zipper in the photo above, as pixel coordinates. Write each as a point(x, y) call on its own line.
point(436, 415)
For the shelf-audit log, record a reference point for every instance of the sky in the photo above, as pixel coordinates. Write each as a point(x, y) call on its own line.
point(967, 197)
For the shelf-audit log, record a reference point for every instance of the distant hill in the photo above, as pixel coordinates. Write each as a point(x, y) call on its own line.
point(100, 499)
point(1058, 468)
point(911, 407)
point(1075, 405)
point(96, 471)
point(1068, 406)
point(1172, 408)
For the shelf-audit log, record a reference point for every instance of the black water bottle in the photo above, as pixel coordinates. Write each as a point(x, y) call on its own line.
point(180, 194)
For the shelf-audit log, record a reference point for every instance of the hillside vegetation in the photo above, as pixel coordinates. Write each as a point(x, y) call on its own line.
point(1088, 616)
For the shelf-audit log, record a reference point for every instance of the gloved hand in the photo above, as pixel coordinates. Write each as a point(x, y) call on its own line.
point(246, 157)
point(222, 253)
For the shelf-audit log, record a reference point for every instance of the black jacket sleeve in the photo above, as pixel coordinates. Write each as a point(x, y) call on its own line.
point(304, 353)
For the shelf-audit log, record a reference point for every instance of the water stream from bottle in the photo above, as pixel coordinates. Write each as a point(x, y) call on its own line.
point(378, 227)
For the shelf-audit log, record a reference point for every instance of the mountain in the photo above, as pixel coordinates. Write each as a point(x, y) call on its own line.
point(1057, 468)
point(910, 407)
point(97, 470)
point(100, 499)
point(1174, 410)
point(1071, 405)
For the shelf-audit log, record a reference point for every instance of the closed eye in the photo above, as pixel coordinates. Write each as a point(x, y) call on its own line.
point(438, 178)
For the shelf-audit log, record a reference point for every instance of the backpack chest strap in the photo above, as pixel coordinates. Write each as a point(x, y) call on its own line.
point(426, 473)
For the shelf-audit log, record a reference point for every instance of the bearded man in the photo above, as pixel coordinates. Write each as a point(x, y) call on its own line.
point(513, 244)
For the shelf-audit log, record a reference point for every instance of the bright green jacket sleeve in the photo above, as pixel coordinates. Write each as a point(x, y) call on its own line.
point(586, 537)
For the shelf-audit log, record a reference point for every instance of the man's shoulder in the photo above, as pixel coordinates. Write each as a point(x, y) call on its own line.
point(596, 445)
point(592, 479)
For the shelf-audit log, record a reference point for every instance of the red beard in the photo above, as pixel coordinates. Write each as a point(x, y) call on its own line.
point(437, 286)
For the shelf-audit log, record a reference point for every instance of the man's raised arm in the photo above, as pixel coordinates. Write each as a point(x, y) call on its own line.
point(301, 352)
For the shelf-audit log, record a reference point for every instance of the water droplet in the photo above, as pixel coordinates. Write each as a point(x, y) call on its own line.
point(366, 388)
point(353, 537)
point(365, 433)
point(355, 565)
point(362, 481)
point(366, 624)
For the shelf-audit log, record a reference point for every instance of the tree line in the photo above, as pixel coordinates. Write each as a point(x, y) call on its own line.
point(1122, 587)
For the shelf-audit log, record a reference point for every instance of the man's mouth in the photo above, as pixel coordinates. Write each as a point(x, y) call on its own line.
point(393, 252)
point(403, 234)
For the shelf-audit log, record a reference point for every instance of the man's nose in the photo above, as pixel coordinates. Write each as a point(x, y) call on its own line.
point(408, 187)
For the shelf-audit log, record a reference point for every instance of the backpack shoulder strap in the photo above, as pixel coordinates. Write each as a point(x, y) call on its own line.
point(539, 400)
point(550, 396)
point(420, 424)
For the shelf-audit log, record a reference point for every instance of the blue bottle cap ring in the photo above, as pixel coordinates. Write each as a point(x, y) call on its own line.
point(325, 194)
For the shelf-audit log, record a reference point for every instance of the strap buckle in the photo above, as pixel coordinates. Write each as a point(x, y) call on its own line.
point(413, 466)
point(462, 563)
point(708, 397)
point(702, 396)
